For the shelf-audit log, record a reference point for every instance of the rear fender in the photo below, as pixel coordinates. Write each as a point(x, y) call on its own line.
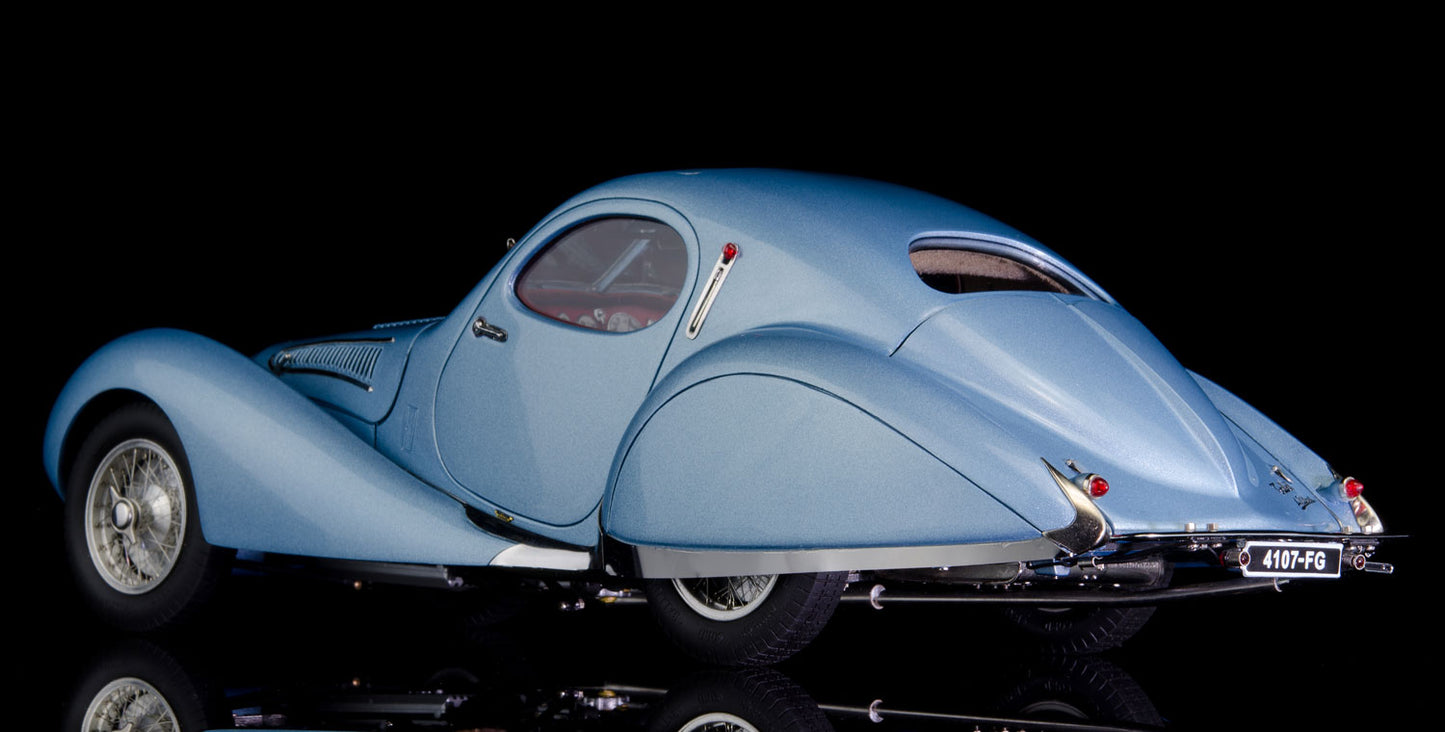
point(791, 440)
point(272, 470)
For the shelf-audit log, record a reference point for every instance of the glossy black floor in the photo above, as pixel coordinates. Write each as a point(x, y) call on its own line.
point(306, 654)
point(1269, 244)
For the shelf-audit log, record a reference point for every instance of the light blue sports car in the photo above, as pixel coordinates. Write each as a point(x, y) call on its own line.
point(738, 393)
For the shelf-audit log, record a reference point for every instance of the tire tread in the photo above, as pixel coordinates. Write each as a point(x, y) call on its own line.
point(199, 567)
point(795, 614)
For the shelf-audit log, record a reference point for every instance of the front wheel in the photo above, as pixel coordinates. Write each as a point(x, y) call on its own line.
point(746, 620)
point(131, 529)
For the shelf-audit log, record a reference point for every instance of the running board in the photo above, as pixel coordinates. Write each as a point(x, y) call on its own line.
point(350, 571)
point(877, 595)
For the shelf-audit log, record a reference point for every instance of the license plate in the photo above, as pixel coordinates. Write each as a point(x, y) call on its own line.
point(1291, 559)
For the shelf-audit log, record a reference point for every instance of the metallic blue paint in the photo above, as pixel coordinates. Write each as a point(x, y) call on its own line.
point(370, 402)
point(1271, 445)
point(778, 464)
point(1079, 379)
point(831, 401)
point(273, 471)
point(532, 424)
point(883, 390)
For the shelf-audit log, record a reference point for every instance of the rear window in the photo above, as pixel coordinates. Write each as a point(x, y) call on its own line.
point(959, 271)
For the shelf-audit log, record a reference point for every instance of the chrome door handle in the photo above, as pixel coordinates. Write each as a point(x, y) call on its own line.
point(480, 327)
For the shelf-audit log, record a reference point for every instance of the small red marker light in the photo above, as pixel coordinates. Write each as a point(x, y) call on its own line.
point(1098, 487)
point(730, 250)
point(1353, 488)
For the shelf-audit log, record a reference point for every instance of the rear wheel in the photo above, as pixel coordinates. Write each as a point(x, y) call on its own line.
point(737, 700)
point(745, 620)
point(132, 533)
point(1080, 629)
point(1080, 690)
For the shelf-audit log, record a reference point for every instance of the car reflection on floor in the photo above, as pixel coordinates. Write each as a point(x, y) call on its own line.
point(289, 653)
point(139, 684)
point(331, 658)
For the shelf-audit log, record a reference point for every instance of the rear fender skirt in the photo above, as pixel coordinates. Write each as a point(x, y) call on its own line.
point(811, 430)
point(787, 475)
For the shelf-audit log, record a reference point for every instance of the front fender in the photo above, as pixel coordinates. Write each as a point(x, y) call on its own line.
point(272, 471)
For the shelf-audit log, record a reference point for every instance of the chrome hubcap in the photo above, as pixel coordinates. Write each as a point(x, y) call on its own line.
point(725, 598)
point(121, 515)
point(135, 516)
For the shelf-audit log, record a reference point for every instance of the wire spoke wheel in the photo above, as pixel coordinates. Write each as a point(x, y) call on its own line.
point(718, 722)
point(130, 704)
point(135, 516)
point(737, 700)
point(132, 527)
point(744, 620)
point(725, 598)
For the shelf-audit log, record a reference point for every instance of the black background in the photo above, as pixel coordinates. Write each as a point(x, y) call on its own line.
point(1259, 215)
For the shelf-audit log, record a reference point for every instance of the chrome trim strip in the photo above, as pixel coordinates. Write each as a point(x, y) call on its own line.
point(405, 323)
point(660, 562)
point(535, 557)
point(1216, 536)
point(1039, 596)
point(1089, 526)
point(709, 293)
point(1013, 251)
point(1366, 517)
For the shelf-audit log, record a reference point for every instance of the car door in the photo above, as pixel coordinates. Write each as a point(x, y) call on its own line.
point(532, 404)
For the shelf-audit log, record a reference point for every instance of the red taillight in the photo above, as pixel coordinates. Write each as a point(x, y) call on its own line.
point(1098, 487)
point(1353, 487)
point(729, 251)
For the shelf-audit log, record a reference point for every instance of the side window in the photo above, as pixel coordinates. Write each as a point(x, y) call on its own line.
point(958, 271)
point(614, 274)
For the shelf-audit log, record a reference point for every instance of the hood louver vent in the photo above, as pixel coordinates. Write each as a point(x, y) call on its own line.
point(349, 360)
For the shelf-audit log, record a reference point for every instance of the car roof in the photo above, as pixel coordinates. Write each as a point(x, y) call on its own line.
point(798, 209)
point(763, 192)
point(793, 208)
point(851, 233)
